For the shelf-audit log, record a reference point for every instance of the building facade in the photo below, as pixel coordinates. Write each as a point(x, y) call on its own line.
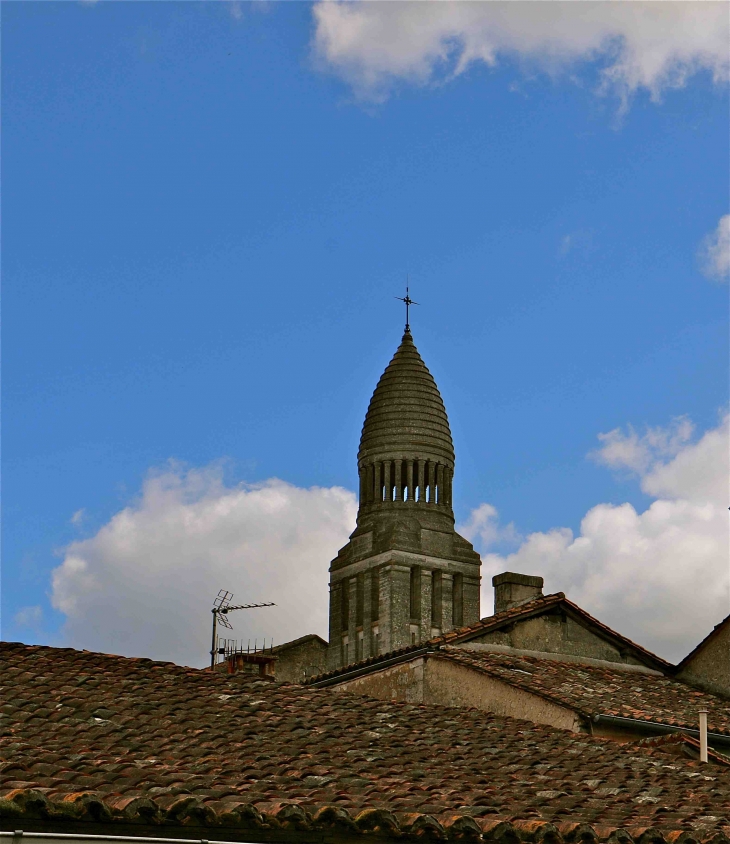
point(405, 575)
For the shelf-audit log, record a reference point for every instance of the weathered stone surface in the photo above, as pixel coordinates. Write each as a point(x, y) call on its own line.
point(708, 666)
point(300, 659)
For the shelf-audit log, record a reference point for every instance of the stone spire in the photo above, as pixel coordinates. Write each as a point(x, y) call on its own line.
point(405, 575)
point(406, 455)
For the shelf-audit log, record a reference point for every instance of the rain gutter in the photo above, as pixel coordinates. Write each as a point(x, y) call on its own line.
point(656, 728)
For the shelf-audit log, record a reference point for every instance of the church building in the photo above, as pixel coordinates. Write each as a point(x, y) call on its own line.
point(406, 575)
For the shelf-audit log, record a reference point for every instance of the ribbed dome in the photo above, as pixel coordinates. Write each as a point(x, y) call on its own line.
point(406, 417)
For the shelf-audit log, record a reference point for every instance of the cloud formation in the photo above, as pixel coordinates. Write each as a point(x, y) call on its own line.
point(661, 576)
point(30, 617)
point(714, 253)
point(646, 46)
point(145, 583)
point(483, 527)
point(638, 453)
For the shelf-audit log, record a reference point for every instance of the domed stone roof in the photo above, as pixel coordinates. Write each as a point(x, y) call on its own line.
point(406, 417)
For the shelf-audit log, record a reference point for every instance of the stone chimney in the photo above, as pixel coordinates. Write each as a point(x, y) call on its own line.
point(511, 590)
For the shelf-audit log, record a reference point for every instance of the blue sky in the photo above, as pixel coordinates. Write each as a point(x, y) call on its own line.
point(207, 216)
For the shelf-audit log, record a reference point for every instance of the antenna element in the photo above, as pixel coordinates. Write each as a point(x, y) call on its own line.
point(221, 608)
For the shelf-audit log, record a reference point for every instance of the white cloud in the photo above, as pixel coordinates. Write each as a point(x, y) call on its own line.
point(714, 252)
point(31, 617)
point(662, 576)
point(483, 526)
point(630, 451)
point(145, 583)
point(651, 46)
point(78, 517)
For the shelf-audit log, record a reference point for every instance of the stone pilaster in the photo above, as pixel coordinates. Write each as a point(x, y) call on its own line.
point(395, 607)
point(367, 614)
point(471, 600)
point(334, 652)
point(447, 586)
point(425, 605)
point(352, 621)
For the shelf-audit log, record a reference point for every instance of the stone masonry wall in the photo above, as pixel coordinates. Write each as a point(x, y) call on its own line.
point(299, 660)
point(444, 683)
point(448, 684)
point(709, 668)
point(557, 634)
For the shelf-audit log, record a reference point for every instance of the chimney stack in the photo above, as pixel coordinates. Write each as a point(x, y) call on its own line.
point(511, 590)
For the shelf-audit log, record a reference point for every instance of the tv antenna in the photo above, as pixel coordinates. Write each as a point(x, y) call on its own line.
point(221, 608)
point(408, 302)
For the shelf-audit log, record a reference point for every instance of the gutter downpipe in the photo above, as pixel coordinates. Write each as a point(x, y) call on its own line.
point(636, 725)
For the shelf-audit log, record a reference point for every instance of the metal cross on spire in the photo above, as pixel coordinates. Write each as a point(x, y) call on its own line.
point(407, 299)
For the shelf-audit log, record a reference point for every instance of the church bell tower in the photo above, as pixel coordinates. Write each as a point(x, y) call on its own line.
point(405, 575)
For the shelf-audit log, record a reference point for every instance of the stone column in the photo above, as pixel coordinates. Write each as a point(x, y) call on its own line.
point(398, 480)
point(409, 479)
point(378, 481)
point(447, 586)
point(440, 482)
point(425, 605)
point(367, 614)
point(395, 607)
point(387, 481)
point(421, 480)
point(334, 652)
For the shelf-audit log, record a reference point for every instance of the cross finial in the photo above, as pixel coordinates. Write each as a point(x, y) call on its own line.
point(407, 299)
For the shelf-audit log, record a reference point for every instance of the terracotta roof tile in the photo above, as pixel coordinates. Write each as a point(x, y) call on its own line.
point(189, 753)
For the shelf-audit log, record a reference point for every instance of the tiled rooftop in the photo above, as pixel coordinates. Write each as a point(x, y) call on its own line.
point(592, 689)
point(104, 743)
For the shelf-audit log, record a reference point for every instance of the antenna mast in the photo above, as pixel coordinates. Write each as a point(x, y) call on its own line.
point(221, 608)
